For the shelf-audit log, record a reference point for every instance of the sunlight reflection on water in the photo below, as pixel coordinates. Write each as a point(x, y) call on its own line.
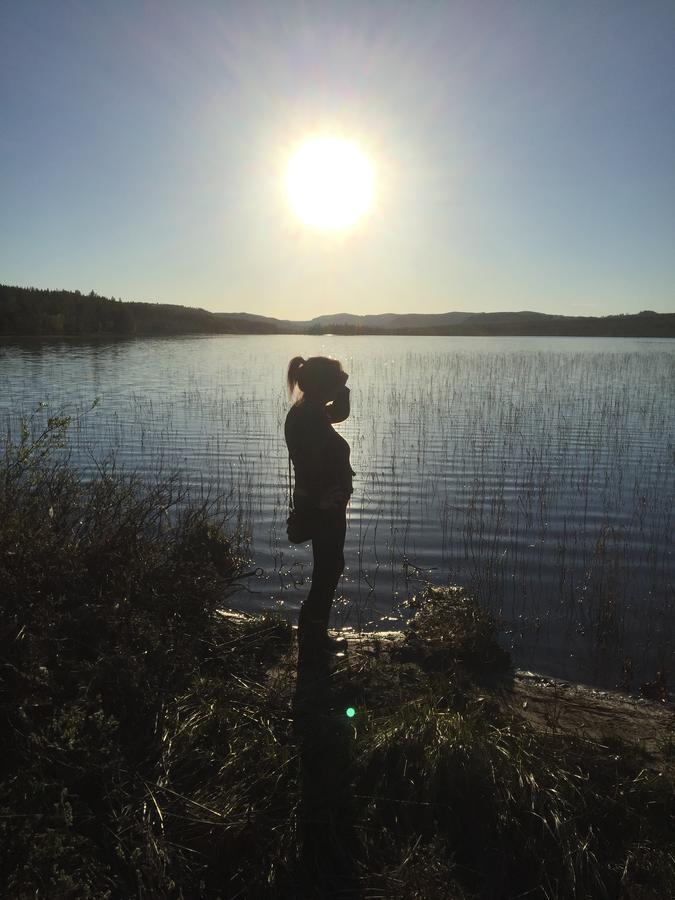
point(536, 471)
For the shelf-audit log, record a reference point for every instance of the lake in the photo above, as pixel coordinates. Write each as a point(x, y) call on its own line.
point(537, 472)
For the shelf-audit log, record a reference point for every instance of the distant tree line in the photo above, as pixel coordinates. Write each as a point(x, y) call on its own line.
point(639, 325)
point(48, 313)
point(643, 324)
point(31, 311)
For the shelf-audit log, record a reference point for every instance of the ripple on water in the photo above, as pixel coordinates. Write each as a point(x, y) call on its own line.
point(536, 471)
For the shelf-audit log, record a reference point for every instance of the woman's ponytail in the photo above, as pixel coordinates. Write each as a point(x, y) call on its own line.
point(294, 367)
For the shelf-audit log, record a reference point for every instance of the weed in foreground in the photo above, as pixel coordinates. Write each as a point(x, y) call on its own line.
point(148, 753)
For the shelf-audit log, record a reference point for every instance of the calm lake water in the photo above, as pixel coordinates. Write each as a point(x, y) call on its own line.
point(538, 472)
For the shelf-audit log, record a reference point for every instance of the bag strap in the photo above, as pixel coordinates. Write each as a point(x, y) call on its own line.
point(290, 487)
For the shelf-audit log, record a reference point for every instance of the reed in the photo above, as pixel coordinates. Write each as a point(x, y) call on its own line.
point(540, 480)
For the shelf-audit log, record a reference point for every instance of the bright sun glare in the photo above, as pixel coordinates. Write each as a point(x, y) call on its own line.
point(329, 183)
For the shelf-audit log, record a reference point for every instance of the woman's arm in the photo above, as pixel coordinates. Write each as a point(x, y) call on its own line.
point(338, 409)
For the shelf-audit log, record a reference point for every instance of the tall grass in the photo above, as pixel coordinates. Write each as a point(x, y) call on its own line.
point(153, 747)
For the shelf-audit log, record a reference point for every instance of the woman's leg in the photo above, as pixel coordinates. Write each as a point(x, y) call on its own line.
point(328, 551)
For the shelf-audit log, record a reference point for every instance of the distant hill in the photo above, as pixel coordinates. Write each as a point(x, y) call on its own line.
point(50, 313)
point(393, 321)
point(644, 324)
point(31, 311)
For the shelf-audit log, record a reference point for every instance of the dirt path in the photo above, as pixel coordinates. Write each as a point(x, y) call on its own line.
point(596, 714)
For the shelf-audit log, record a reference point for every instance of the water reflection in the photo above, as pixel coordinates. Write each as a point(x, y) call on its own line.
point(536, 471)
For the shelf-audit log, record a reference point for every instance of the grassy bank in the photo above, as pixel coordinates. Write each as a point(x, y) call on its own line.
point(156, 748)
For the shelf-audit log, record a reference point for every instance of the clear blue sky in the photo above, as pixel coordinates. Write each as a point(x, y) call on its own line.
point(524, 149)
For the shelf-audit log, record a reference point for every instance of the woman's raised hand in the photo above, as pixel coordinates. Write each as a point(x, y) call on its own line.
point(338, 408)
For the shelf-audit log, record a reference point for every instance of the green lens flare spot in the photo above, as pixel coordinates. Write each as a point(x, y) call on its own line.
point(350, 712)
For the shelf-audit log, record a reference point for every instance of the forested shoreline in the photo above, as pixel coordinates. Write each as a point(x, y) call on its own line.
point(48, 313)
point(35, 312)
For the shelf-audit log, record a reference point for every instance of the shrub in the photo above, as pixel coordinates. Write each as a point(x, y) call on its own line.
point(451, 631)
point(119, 674)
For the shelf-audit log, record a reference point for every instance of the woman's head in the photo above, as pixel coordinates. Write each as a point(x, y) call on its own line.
point(318, 377)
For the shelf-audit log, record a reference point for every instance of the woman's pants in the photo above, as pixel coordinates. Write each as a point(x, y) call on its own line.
point(328, 541)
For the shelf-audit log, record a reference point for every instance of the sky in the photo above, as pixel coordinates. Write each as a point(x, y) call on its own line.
point(524, 153)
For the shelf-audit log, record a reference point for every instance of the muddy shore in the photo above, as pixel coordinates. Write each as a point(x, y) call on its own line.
point(605, 717)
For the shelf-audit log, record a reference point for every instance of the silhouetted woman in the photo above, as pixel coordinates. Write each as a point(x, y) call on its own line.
point(323, 485)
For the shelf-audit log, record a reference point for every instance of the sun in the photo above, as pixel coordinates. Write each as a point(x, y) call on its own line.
point(329, 183)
